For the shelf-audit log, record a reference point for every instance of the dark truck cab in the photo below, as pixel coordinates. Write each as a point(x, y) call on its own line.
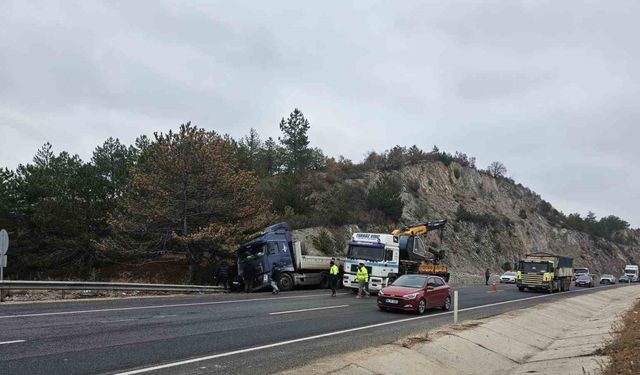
point(274, 245)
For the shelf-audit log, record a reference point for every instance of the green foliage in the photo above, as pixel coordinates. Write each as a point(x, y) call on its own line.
point(324, 242)
point(456, 173)
point(605, 227)
point(188, 196)
point(506, 266)
point(341, 205)
point(290, 190)
point(385, 197)
point(297, 154)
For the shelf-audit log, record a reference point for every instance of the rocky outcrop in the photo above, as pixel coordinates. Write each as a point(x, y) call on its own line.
point(492, 221)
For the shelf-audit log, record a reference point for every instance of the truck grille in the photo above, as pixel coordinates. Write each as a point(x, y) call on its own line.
point(532, 279)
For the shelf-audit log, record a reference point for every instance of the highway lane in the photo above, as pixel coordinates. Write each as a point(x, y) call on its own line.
point(113, 336)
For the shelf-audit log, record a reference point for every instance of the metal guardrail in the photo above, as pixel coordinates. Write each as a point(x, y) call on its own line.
point(88, 285)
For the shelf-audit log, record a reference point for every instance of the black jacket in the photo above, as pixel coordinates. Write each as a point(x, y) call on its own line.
point(222, 272)
point(275, 274)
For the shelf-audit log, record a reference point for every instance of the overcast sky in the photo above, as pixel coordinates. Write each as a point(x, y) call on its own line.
point(550, 88)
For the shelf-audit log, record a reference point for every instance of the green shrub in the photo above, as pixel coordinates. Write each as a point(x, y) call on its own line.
point(324, 242)
point(385, 197)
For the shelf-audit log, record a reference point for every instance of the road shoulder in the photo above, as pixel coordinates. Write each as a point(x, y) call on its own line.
point(564, 336)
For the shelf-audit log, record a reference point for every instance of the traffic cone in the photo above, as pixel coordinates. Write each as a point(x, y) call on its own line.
point(493, 287)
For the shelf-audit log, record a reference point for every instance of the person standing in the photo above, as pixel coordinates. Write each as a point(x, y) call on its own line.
point(222, 276)
point(487, 274)
point(275, 277)
point(333, 277)
point(247, 277)
point(362, 277)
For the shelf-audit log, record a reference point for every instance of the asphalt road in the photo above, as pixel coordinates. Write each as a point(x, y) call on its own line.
point(217, 334)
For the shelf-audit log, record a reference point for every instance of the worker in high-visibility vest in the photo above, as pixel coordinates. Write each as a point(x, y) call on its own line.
point(333, 277)
point(362, 277)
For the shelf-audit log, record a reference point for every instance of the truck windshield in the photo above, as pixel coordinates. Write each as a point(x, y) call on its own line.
point(252, 252)
point(580, 270)
point(366, 252)
point(631, 271)
point(535, 266)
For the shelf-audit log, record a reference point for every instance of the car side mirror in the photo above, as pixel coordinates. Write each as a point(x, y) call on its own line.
point(429, 287)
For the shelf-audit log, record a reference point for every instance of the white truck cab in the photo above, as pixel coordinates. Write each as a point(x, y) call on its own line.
point(380, 254)
point(632, 272)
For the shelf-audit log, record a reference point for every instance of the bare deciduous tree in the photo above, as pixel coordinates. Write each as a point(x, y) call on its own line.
point(497, 169)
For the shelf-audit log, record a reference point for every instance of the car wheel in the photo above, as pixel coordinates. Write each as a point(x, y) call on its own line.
point(422, 306)
point(447, 304)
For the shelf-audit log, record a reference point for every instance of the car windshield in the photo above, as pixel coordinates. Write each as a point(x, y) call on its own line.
point(410, 281)
point(366, 252)
point(584, 278)
point(607, 276)
point(252, 252)
point(509, 274)
point(535, 266)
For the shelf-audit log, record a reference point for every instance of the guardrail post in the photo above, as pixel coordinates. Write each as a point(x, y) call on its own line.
point(455, 307)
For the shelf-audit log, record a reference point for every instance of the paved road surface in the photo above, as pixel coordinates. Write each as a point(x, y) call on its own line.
point(221, 334)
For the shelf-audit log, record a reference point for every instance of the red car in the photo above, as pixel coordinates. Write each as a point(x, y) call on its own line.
point(584, 280)
point(415, 293)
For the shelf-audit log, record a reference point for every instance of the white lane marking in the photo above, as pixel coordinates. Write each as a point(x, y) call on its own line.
point(12, 342)
point(311, 309)
point(161, 306)
point(335, 333)
point(116, 321)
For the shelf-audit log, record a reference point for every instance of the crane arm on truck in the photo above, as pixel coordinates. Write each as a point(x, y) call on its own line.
point(422, 228)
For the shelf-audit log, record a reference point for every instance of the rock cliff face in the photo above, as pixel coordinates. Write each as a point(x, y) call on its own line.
point(490, 222)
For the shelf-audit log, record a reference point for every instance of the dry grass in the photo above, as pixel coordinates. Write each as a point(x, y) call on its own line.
point(624, 350)
point(413, 340)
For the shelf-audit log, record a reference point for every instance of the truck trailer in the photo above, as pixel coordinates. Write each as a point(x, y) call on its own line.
point(274, 245)
point(544, 271)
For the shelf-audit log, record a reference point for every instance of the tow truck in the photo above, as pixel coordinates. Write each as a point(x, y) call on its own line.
point(414, 254)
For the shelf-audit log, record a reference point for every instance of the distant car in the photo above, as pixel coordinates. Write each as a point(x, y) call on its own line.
point(584, 280)
point(607, 279)
point(508, 277)
point(415, 293)
point(624, 279)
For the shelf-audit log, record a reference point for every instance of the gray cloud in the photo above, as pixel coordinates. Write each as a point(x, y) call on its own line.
point(549, 88)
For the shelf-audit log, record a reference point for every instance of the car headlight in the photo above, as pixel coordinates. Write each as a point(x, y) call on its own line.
point(411, 296)
point(381, 294)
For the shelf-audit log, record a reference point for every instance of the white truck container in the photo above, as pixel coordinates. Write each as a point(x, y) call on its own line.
point(632, 272)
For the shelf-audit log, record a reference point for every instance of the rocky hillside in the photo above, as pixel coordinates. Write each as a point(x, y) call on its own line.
point(492, 221)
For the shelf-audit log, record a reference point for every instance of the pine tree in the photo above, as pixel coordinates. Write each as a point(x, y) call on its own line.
point(189, 196)
point(295, 142)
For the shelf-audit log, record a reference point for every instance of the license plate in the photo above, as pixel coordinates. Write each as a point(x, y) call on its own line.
point(392, 301)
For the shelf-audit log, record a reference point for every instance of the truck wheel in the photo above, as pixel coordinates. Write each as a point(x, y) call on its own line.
point(286, 282)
